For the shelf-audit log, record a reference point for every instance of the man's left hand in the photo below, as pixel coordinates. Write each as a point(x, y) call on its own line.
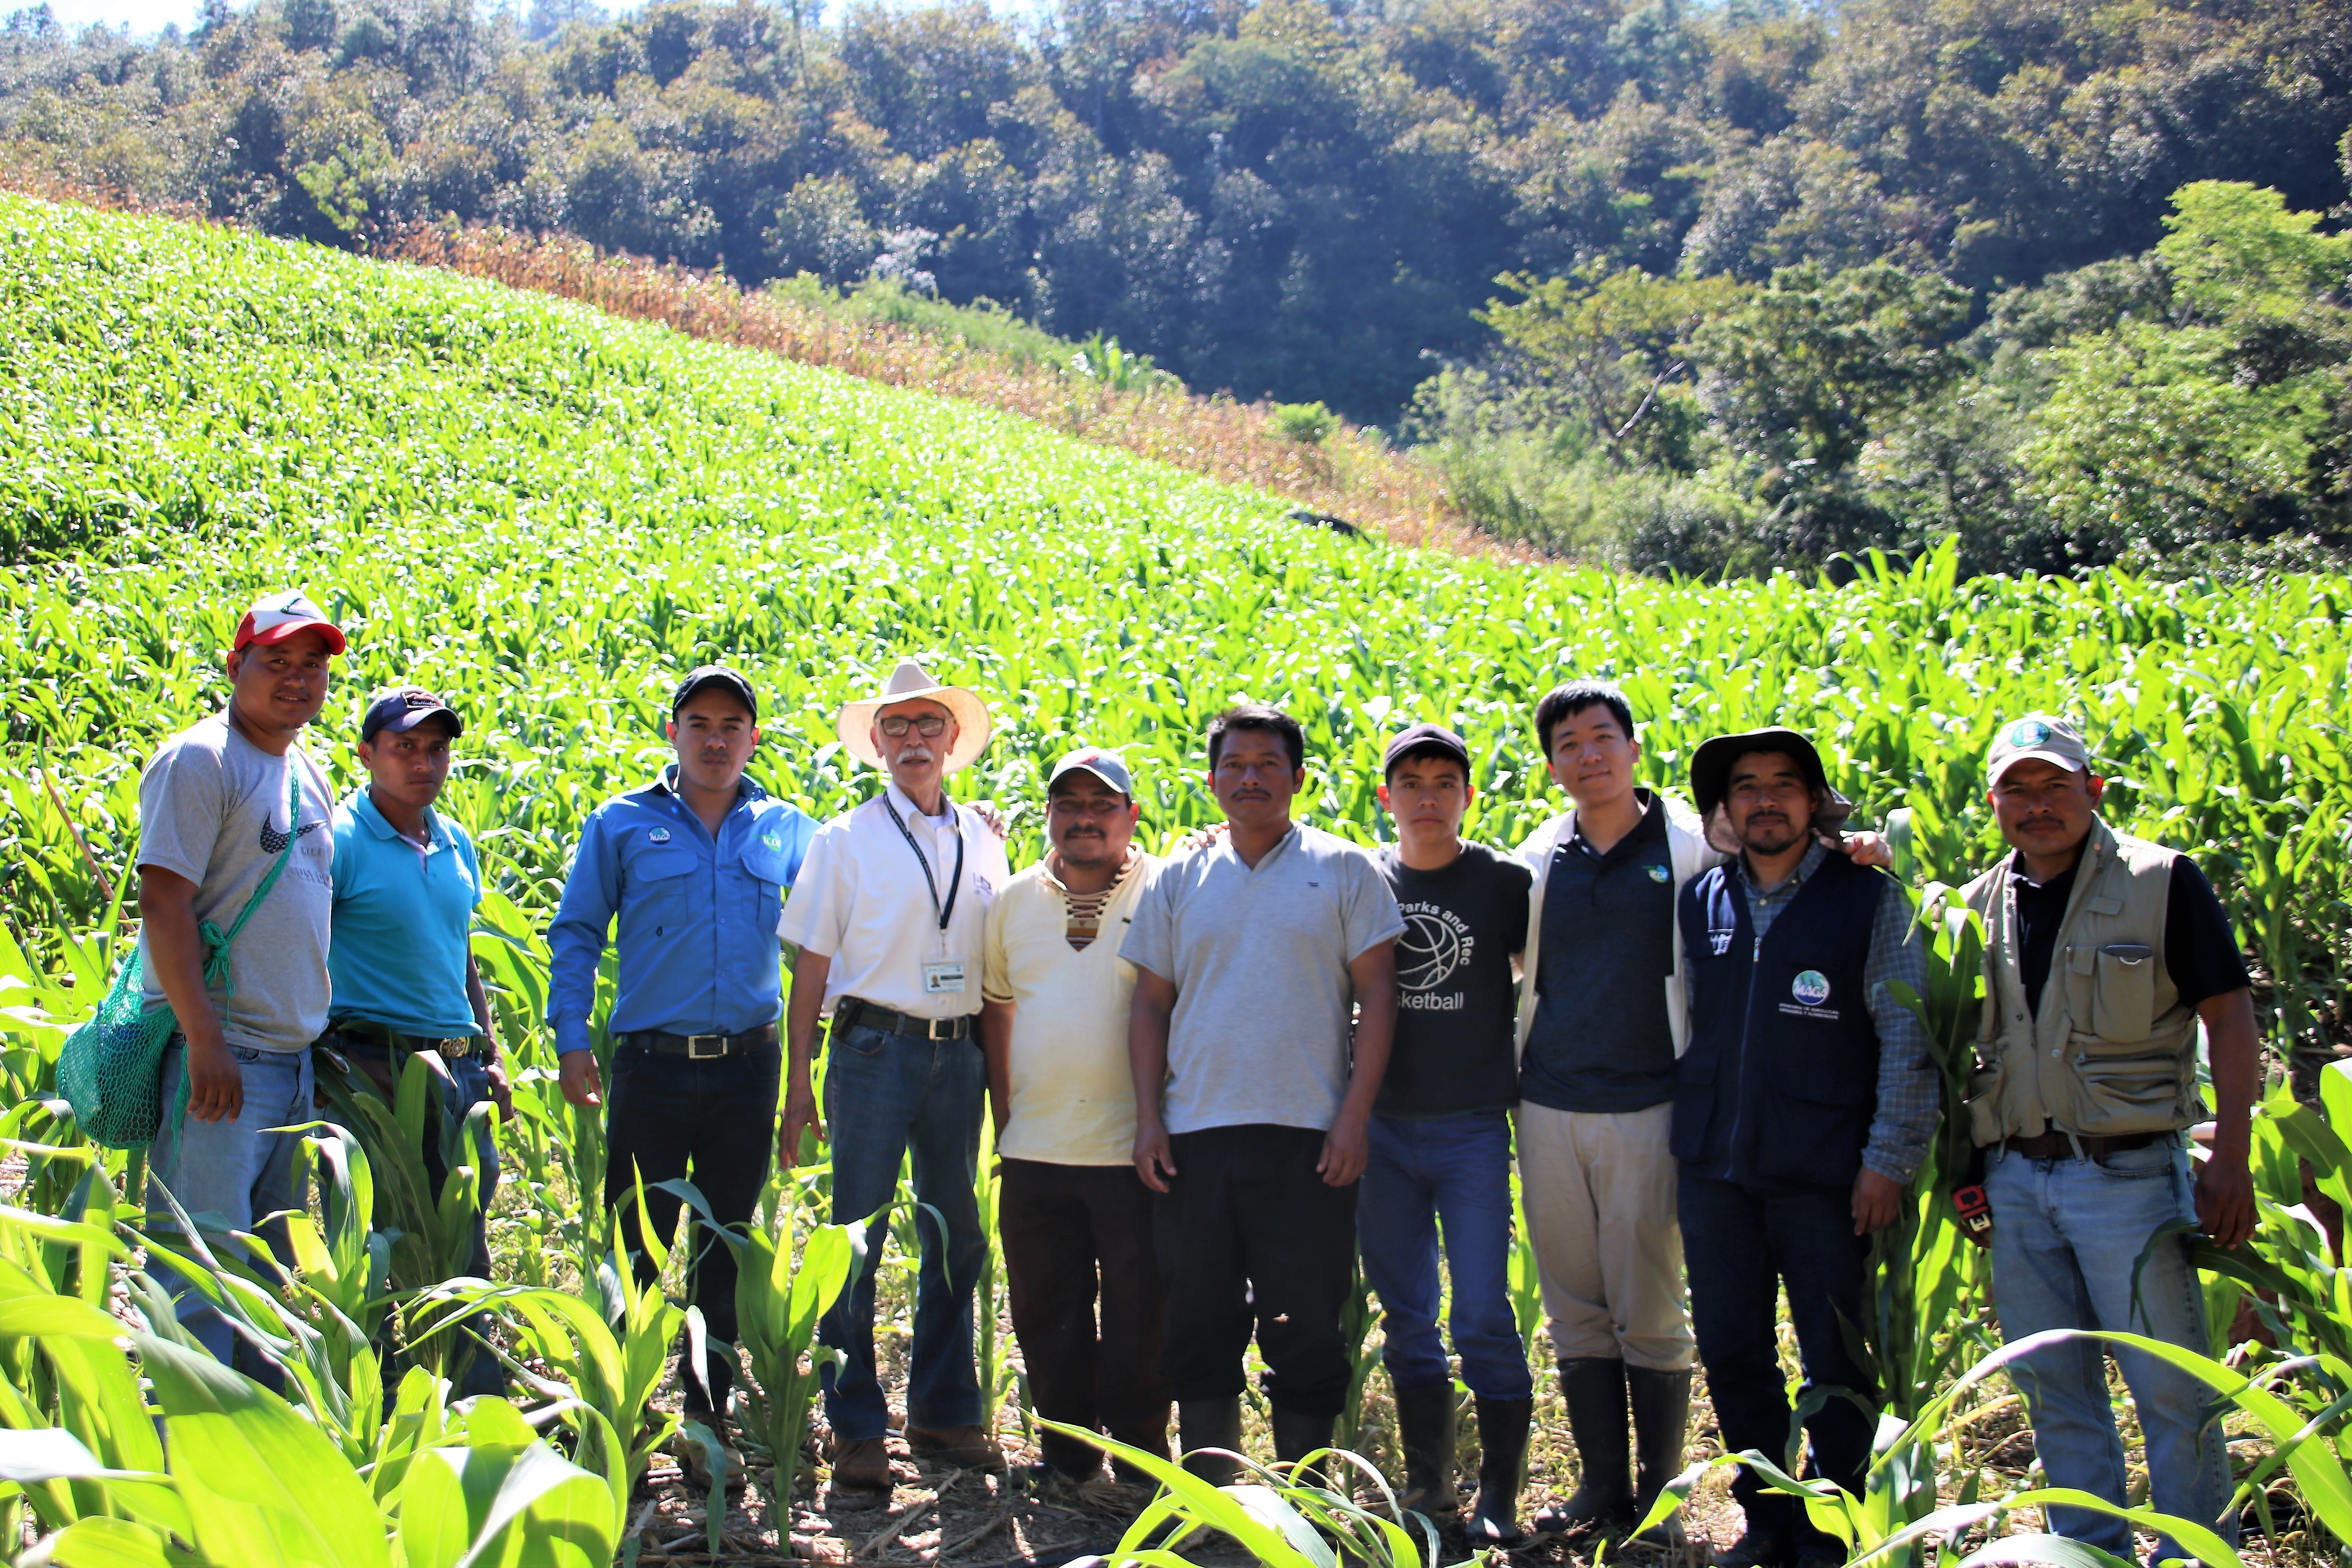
point(1868, 849)
point(501, 1089)
point(1347, 1148)
point(1878, 1200)
point(2225, 1198)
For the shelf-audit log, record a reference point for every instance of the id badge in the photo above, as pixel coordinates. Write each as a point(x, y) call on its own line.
point(944, 978)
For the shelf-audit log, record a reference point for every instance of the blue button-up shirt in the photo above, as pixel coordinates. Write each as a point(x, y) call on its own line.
point(698, 949)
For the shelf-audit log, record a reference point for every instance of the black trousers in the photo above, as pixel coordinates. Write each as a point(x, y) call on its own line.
point(1741, 1245)
point(1072, 1234)
point(714, 1122)
point(1250, 1237)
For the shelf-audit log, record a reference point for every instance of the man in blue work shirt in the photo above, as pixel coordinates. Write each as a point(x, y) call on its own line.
point(694, 865)
point(407, 882)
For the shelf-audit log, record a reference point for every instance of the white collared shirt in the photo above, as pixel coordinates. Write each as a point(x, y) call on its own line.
point(861, 900)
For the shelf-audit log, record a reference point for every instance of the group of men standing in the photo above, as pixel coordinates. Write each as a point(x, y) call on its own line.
point(1218, 1078)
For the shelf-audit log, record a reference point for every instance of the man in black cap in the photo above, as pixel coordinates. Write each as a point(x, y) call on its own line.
point(695, 866)
point(1802, 1108)
point(407, 882)
point(1441, 1136)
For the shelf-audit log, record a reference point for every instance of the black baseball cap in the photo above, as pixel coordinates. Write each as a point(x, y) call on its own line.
point(1427, 737)
point(703, 676)
point(402, 707)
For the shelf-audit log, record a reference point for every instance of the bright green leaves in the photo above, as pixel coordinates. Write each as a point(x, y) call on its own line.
point(504, 1500)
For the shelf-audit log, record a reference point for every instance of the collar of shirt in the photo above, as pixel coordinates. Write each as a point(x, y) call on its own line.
point(746, 788)
point(1649, 830)
point(1781, 895)
point(364, 808)
point(1224, 847)
point(2022, 883)
point(912, 814)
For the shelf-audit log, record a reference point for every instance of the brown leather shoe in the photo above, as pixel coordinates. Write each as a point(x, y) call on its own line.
point(862, 1462)
point(969, 1447)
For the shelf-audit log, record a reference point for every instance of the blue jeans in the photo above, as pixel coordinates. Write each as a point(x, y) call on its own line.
point(1457, 1170)
point(2066, 1237)
point(227, 1175)
point(888, 1098)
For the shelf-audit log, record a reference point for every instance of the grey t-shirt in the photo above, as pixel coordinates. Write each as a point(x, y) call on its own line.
point(212, 808)
point(1259, 959)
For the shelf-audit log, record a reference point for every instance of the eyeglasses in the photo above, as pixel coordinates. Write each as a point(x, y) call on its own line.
point(929, 726)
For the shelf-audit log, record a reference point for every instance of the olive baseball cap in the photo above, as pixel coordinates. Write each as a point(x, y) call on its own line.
point(2041, 736)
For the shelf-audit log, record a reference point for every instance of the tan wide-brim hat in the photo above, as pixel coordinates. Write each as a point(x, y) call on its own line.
point(908, 682)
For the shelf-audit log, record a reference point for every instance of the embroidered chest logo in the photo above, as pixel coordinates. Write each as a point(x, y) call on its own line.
point(272, 841)
point(1811, 989)
point(658, 836)
point(1719, 940)
point(772, 840)
point(1660, 874)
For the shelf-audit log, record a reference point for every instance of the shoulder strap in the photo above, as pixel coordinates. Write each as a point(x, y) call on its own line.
point(216, 943)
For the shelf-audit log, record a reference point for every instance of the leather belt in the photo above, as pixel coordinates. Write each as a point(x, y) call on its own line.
point(2056, 1145)
point(700, 1047)
point(850, 1012)
point(356, 1031)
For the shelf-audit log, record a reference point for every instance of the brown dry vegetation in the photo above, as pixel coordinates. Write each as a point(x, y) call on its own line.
point(1351, 474)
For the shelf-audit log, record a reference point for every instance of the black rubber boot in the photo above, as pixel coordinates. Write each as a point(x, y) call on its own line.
point(1593, 1388)
point(1502, 1456)
point(1211, 1423)
point(1296, 1436)
point(1426, 1419)
point(1661, 1424)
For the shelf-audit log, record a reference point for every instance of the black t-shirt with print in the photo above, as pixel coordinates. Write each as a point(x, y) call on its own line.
point(1457, 1006)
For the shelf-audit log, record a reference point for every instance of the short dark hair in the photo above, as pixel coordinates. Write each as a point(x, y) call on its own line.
point(1266, 720)
point(1427, 751)
point(1574, 696)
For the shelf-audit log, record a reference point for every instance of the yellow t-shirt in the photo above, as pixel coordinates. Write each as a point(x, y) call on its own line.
point(1073, 1098)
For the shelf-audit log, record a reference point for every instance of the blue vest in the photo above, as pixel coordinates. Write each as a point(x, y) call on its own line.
point(1780, 1081)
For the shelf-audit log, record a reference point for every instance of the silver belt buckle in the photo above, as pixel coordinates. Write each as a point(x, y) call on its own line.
point(942, 1028)
point(695, 1053)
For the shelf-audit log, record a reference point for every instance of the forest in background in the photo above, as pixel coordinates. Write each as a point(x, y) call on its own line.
point(1657, 284)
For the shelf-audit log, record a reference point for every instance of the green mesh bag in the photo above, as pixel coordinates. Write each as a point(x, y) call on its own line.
point(111, 1068)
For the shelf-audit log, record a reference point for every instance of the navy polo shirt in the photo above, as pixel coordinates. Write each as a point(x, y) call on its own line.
point(402, 914)
point(696, 915)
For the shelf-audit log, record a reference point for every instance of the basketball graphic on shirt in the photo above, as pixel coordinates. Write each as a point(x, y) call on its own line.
point(1429, 951)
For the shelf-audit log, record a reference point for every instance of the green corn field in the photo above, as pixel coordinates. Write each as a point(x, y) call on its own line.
point(547, 515)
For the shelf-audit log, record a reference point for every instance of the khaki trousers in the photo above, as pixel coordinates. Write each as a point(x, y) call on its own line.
point(1599, 1193)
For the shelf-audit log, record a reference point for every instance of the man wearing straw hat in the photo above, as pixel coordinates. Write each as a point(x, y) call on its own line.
point(1802, 1108)
point(889, 915)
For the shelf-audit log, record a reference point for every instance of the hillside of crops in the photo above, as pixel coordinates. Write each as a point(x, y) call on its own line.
point(547, 514)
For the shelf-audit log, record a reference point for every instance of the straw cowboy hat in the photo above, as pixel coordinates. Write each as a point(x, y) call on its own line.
point(909, 681)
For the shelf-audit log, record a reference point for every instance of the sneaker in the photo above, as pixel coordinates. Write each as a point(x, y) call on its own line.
point(968, 1447)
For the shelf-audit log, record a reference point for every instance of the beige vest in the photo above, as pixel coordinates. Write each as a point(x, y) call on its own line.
point(2112, 1051)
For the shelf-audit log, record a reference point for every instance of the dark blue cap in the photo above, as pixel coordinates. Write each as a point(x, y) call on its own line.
point(402, 707)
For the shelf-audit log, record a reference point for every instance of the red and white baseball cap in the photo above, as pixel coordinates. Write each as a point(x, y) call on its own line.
point(277, 616)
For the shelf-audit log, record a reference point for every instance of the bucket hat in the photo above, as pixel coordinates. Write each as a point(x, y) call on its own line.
point(1711, 782)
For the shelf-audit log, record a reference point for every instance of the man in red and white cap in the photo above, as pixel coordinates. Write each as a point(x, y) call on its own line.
point(236, 843)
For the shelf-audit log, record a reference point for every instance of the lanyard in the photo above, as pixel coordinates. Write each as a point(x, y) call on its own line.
point(955, 884)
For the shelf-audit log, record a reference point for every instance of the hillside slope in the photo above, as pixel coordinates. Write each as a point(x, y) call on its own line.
point(547, 514)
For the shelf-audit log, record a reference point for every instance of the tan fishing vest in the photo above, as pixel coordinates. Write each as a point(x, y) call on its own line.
point(2112, 1051)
